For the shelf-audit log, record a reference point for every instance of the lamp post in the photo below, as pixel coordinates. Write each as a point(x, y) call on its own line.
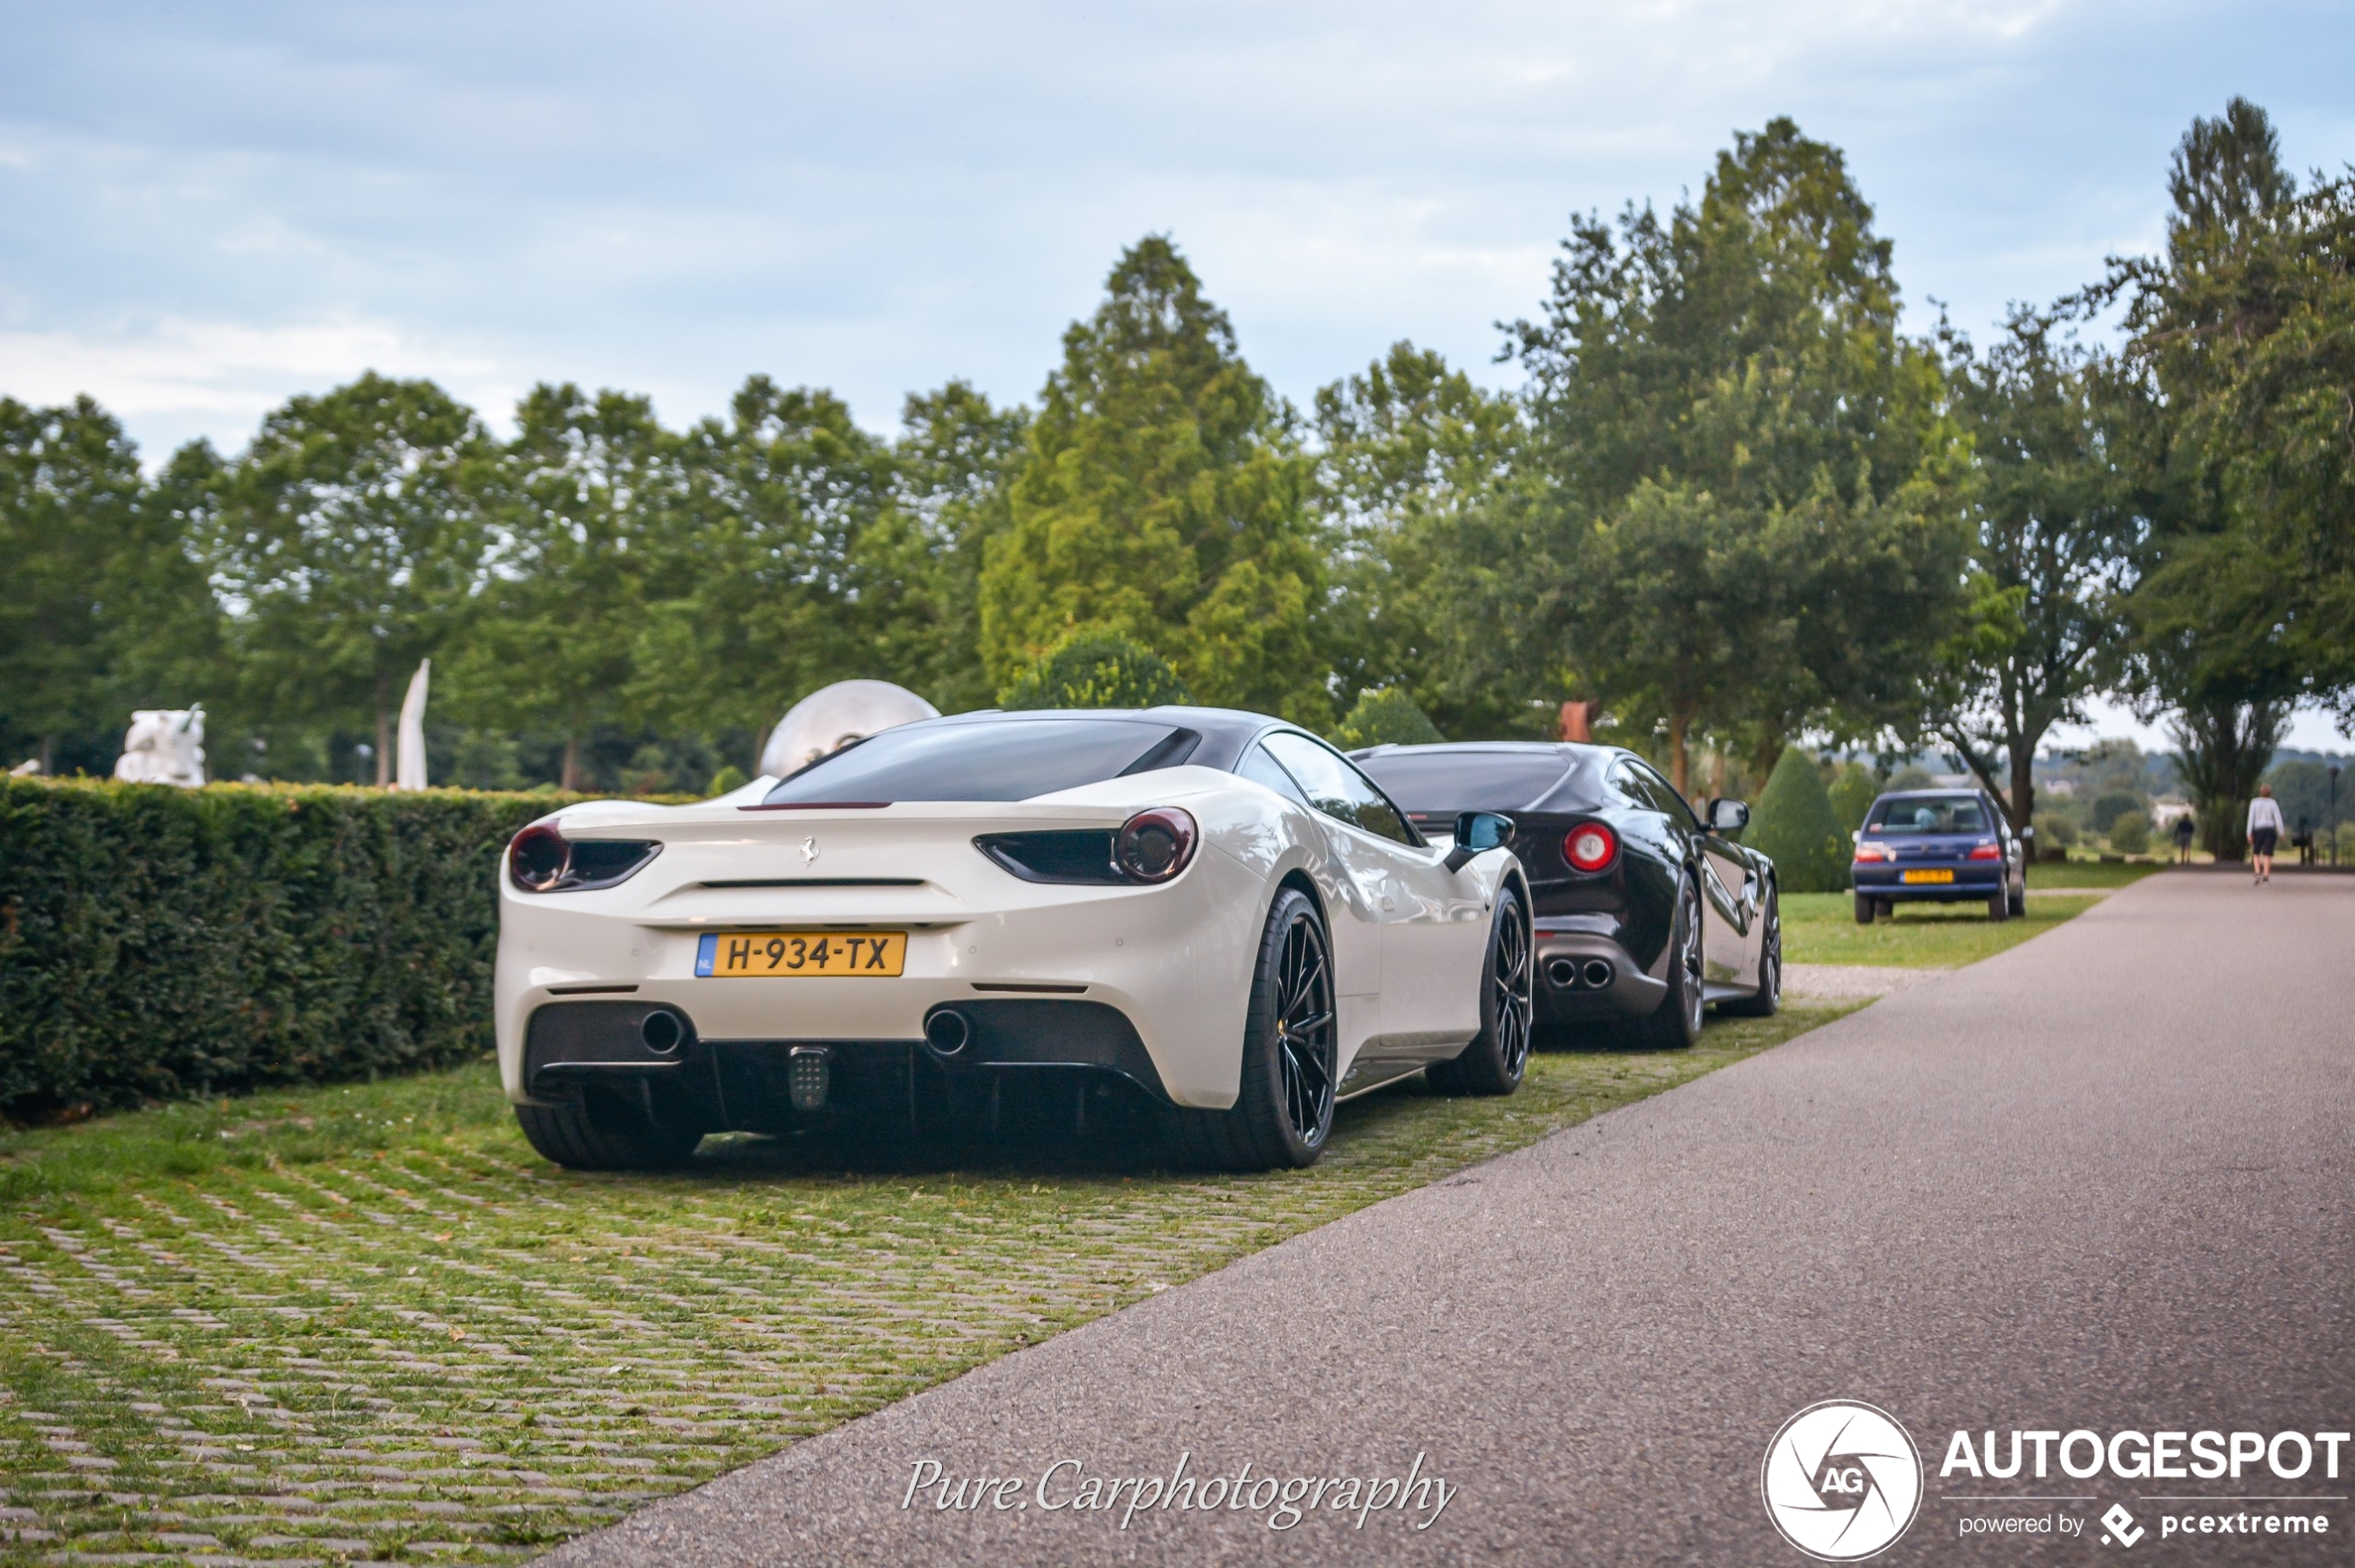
point(2332, 770)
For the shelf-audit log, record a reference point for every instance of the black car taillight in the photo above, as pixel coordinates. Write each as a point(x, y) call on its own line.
point(1150, 848)
point(1589, 847)
point(542, 859)
point(1154, 846)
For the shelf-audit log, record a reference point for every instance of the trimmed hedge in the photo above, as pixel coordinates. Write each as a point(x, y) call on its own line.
point(158, 943)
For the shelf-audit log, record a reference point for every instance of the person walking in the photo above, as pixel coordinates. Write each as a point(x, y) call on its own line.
point(2183, 831)
point(2264, 832)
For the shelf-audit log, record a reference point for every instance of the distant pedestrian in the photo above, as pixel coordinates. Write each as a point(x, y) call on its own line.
point(2264, 831)
point(2183, 831)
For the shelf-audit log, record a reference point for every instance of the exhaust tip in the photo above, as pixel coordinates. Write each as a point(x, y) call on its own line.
point(662, 1030)
point(1597, 974)
point(947, 1032)
point(1562, 973)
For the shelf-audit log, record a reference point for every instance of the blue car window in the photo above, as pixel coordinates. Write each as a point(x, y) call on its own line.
point(1942, 813)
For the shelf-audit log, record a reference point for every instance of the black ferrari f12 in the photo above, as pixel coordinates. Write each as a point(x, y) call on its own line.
point(1645, 910)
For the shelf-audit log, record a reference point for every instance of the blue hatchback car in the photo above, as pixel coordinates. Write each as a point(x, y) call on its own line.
point(1938, 845)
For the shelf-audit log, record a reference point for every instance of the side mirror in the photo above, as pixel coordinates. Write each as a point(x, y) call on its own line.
point(1727, 816)
point(1477, 833)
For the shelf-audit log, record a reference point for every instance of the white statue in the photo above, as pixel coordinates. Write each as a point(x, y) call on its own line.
point(165, 745)
point(409, 770)
point(832, 717)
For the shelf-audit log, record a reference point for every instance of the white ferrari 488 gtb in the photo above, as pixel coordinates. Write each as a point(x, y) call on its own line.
point(1215, 907)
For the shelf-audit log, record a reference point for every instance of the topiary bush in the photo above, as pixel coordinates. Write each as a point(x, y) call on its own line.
point(1096, 669)
point(1793, 822)
point(2109, 806)
point(1853, 795)
point(2053, 831)
point(157, 943)
point(1388, 717)
point(2131, 834)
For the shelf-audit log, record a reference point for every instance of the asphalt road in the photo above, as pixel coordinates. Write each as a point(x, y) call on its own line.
point(2099, 1182)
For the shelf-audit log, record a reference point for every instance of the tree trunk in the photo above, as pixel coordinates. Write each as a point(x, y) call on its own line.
point(384, 733)
point(2022, 805)
point(1679, 759)
point(2226, 748)
point(48, 756)
point(570, 784)
point(1769, 752)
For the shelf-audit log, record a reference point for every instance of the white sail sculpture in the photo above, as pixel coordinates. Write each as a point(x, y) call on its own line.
point(408, 772)
point(832, 717)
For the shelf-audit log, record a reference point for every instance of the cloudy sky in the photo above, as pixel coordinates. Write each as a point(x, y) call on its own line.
point(204, 208)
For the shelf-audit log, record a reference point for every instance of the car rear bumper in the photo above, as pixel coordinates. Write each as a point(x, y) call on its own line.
point(1972, 883)
point(1582, 975)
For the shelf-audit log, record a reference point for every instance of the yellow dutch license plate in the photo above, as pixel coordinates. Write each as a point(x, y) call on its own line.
point(1927, 876)
point(768, 955)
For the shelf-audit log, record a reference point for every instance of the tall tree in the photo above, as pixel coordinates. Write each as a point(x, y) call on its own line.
point(352, 540)
point(589, 490)
point(2240, 343)
point(766, 560)
point(68, 498)
point(1163, 498)
point(1426, 496)
point(2052, 530)
point(1740, 363)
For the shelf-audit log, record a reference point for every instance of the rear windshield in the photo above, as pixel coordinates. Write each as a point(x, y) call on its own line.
point(1431, 784)
point(1945, 813)
point(1007, 759)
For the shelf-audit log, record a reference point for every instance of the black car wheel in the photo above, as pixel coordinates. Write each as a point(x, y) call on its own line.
point(1999, 907)
point(1284, 1108)
point(1498, 1055)
point(607, 1130)
point(1867, 908)
point(2017, 900)
point(1769, 994)
point(1675, 1024)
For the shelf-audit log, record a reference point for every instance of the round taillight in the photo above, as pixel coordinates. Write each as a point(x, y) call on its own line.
point(1589, 847)
point(1154, 846)
point(538, 858)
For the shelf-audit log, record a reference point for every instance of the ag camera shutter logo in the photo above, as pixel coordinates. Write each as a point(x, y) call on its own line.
point(1842, 1481)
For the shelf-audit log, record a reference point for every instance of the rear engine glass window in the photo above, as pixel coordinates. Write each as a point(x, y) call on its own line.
point(1954, 813)
point(1442, 783)
point(1008, 760)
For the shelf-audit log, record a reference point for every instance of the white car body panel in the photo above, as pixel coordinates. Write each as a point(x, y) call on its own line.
point(1408, 935)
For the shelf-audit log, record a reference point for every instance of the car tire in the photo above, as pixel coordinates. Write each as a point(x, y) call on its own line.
point(1999, 907)
point(2017, 901)
point(602, 1130)
point(1768, 998)
point(1867, 908)
point(1675, 1025)
point(1283, 1110)
point(1498, 1056)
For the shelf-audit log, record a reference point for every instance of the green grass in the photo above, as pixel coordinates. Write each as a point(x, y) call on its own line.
point(1821, 928)
point(2086, 873)
point(369, 1323)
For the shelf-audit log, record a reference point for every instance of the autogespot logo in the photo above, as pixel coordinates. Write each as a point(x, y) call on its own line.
point(1841, 1481)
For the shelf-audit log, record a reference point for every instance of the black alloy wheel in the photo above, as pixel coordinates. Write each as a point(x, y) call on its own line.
point(1498, 1055)
point(1289, 1081)
point(1763, 1002)
point(1675, 1024)
point(1304, 1035)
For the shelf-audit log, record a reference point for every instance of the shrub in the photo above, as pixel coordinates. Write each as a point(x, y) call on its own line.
point(729, 778)
point(1853, 794)
point(2053, 831)
point(2131, 834)
point(1794, 823)
point(2110, 806)
point(157, 942)
point(1911, 777)
point(1388, 717)
point(1096, 669)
